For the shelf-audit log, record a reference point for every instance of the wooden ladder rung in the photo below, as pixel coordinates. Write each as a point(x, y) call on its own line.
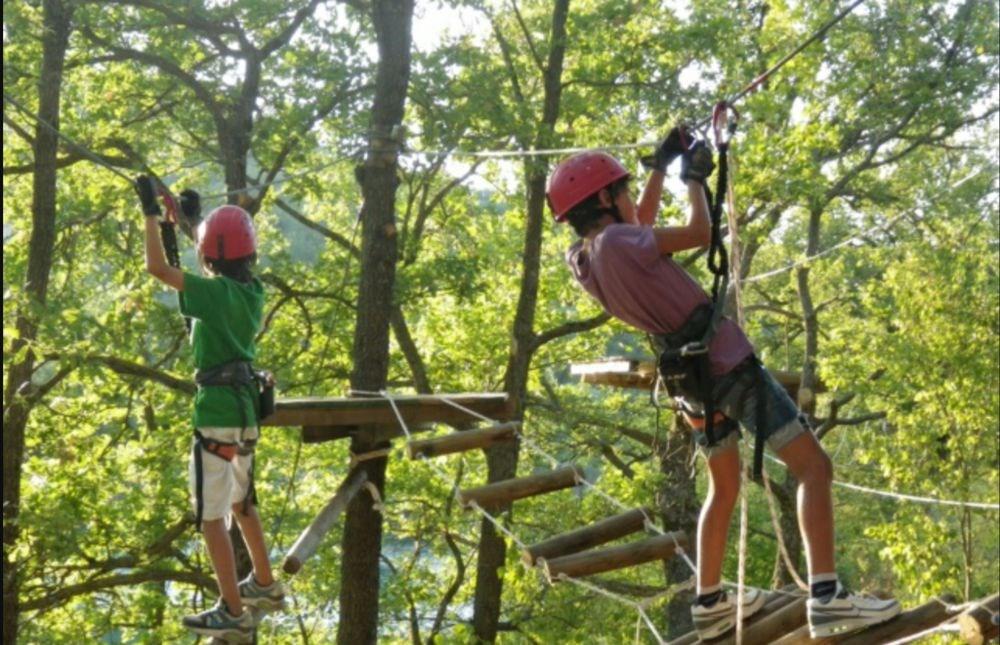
point(587, 537)
point(464, 440)
point(509, 490)
point(588, 563)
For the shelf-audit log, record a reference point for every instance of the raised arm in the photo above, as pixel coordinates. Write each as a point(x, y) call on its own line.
point(696, 167)
point(696, 233)
point(673, 146)
point(156, 258)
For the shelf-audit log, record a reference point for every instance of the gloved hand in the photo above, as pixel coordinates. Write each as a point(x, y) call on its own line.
point(191, 205)
point(696, 163)
point(671, 148)
point(147, 195)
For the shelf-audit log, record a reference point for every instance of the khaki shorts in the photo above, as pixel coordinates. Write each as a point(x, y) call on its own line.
point(224, 483)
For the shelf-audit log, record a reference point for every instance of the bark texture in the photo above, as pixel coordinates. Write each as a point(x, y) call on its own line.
point(502, 460)
point(362, 541)
point(17, 401)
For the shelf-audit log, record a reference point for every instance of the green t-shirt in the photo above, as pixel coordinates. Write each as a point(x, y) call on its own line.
point(226, 318)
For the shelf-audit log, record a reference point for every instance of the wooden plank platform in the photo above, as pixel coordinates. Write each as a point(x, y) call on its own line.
point(328, 418)
point(640, 373)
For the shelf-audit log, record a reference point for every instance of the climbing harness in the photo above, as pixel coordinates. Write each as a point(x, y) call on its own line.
point(239, 376)
point(683, 356)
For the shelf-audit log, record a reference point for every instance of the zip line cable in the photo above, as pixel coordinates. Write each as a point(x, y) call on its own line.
point(82, 149)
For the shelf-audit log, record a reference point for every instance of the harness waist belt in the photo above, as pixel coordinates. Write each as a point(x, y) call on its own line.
point(233, 373)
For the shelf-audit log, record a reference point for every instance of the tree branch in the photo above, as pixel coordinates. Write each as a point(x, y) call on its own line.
point(572, 327)
point(319, 228)
point(67, 593)
point(286, 34)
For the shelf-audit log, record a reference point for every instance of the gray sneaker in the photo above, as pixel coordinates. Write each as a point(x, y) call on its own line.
point(846, 612)
point(260, 598)
point(712, 622)
point(217, 622)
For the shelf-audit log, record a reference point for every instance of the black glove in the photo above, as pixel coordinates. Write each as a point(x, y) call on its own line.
point(696, 163)
point(191, 205)
point(671, 148)
point(147, 195)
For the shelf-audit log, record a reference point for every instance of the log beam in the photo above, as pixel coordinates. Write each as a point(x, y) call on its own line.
point(309, 540)
point(504, 492)
point(587, 537)
point(463, 441)
point(588, 563)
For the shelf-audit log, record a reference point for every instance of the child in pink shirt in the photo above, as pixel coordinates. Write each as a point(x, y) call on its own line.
point(625, 263)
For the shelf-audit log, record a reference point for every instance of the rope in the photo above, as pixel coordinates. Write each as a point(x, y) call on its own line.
point(906, 497)
point(776, 524)
point(741, 575)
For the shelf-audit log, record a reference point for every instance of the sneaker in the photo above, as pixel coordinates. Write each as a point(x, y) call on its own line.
point(261, 598)
point(712, 622)
point(219, 623)
point(846, 612)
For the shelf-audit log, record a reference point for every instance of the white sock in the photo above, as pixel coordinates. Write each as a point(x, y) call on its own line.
point(702, 591)
point(823, 577)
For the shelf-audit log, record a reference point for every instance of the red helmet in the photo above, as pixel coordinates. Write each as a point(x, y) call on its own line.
point(227, 234)
point(580, 176)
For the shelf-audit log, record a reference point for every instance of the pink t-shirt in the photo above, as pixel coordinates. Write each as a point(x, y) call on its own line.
point(622, 268)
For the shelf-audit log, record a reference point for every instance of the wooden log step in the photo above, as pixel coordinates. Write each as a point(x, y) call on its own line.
point(905, 624)
point(310, 538)
point(979, 625)
point(509, 490)
point(769, 628)
point(587, 537)
point(588, 563)
point(463, 441)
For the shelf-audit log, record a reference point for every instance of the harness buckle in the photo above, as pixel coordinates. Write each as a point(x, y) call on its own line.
point(694, 348)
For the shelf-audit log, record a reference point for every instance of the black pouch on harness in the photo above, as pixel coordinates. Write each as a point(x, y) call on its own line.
point(265, 407)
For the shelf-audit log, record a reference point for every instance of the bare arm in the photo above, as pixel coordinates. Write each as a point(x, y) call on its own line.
point(649, 203)
point(156, 259)
point(698, 230)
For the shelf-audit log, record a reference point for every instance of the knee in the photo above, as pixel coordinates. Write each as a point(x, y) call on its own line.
point(819, 472)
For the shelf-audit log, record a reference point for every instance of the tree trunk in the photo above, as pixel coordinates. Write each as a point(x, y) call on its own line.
point(678, 504)
point(362, 542)
point(17, 407)
point(502, 460)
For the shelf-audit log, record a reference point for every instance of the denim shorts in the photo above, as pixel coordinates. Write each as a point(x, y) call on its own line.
point(739, 400)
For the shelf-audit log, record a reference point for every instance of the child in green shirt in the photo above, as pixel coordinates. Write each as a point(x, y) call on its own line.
point(225, 308)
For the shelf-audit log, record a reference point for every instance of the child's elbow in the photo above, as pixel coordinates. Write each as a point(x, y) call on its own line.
point(156, 270)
